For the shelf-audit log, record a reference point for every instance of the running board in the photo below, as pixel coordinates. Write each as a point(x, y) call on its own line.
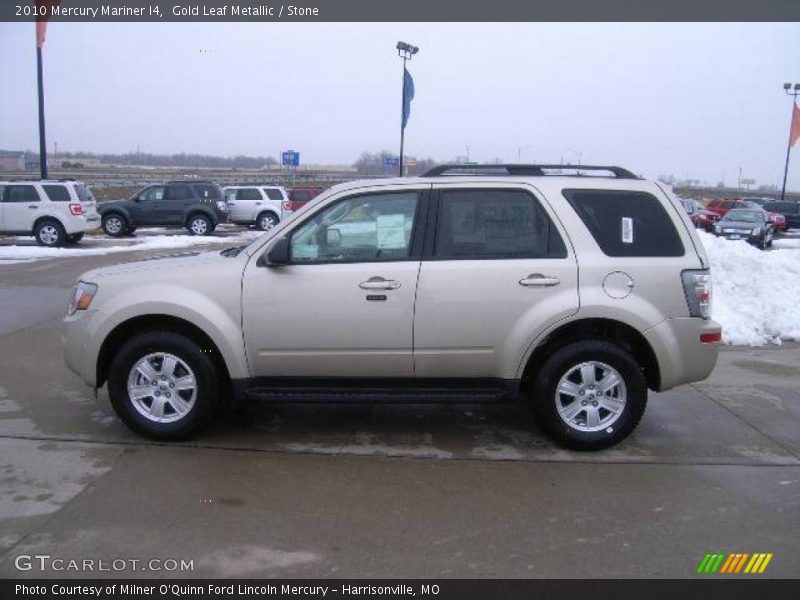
point(376, 395)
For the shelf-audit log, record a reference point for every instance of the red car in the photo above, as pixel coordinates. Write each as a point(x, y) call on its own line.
point(778, 220)
point(706, 219)
point(298, 197)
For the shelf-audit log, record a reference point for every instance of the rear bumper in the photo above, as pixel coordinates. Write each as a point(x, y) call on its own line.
point(682, 357)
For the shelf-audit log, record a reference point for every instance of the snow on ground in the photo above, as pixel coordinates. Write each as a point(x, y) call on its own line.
point(91, 245)
point(756, 294)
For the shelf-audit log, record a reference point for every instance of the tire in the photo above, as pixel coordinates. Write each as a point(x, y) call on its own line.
point(114, 224)
point(266, 221)
point(175, 420)
point(198, 224)
point(50, 233)
point(75, 238)
point(564, 368)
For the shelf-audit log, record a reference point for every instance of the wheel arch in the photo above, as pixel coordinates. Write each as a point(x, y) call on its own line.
point(49, 217)
point(197, 210)
point(611, 330)
point(119, 211)
point(145, 323)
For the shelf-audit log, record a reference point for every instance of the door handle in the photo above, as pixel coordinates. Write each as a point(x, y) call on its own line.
point(537, 279)
point(379, 283)
point(33, 206)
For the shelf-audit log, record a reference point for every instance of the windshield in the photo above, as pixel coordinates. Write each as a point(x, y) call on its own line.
point(749, 216)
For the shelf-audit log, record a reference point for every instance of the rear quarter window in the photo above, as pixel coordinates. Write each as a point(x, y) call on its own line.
point(84, 193)
point(57, 193)
point(208, 190)
point(626, 223)
point(273, 194)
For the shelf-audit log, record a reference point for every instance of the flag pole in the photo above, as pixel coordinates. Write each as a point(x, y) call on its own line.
point(787, 88)
point(402, 114)
point(42, 144)
point(786, 166)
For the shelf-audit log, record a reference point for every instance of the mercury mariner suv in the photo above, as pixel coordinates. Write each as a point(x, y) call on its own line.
point(576, 293)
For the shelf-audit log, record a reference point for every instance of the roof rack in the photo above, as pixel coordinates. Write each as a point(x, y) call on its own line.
point(529, 170)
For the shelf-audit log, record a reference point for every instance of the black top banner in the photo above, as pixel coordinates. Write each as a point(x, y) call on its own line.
point(386, 589)
point(402, 10)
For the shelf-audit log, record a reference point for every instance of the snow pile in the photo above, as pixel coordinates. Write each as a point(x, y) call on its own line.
point(98, 246)
point(756, 294)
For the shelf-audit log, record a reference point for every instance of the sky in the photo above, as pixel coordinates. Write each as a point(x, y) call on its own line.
point(698, 101)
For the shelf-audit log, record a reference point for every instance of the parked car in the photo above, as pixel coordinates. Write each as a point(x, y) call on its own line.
point(258, 205)
point(777, 219)
point(692, 208)
point(197, 205)
point(790, 209)
point(706, 219)
point(746, 224)
point(722, 206)
point(436, 288)
point(55, 212)
point(298, 197)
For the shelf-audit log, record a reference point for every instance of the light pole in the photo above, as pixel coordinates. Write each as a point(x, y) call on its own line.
point(405, 51)
point(788, 90)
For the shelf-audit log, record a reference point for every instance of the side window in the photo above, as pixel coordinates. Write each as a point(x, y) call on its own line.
point(152, 194)
point(273, 193)
point(84, 193)
point(248, 194)
point(176, 193)
point(300, 195)
point(20, 193)
point(626, 223)
point(366, 228)
point(57, 193)
point(479, 224)
point(207, 190)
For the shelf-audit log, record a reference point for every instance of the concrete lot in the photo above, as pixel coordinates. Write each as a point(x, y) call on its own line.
point(411, 491)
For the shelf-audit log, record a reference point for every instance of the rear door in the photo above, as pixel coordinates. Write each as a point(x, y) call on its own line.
point(496, 272)
point(177, 201)
point(21, 205)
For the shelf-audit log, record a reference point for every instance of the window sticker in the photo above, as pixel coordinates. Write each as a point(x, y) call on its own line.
point(627, 230)
point(391, 232)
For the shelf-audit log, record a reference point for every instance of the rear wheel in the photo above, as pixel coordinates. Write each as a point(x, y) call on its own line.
point(589, 395)
point(50, 233)
point(74, 238)
point(267, 221)
point(114, 224)
point(199, 225)
point(163, 386)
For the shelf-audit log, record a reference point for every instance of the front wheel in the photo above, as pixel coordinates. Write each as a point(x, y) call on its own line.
point(199, 225)
point(589, 395)
point(163, 386)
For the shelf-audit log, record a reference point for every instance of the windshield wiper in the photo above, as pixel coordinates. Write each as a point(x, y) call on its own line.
point(234, 251)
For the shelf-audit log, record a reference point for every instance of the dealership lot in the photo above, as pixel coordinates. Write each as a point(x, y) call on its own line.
point(383, 491)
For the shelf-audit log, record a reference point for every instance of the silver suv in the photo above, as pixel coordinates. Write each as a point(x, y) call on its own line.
point(468, 284)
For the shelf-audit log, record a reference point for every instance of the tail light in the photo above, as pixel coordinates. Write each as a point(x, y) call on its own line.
point(286, 205)
point(711, 337)
point(697, 287)
point(76, 209)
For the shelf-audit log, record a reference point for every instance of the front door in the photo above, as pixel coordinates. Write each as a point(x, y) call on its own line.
point(20, 206)
point(147, 205)
point(344, 306)
point(498, 272)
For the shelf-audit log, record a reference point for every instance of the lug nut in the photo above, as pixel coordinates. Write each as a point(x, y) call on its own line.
point(595, 403)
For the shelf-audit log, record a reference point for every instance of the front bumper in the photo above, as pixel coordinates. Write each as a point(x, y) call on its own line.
point(682, 357)
point(80, 355)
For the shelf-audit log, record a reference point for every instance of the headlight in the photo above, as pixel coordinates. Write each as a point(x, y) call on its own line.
point(82, 296)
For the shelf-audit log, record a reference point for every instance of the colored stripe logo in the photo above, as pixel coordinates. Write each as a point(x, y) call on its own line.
point(734, 563)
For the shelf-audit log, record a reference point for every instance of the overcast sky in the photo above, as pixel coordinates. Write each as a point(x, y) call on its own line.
point(692, 100)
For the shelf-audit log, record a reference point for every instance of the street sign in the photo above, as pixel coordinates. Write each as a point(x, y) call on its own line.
point(290, 158)
point(391, 162)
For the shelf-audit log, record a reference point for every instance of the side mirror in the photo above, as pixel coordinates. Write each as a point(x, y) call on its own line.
point(333, 238)
point(277, 255)
point(136, 199)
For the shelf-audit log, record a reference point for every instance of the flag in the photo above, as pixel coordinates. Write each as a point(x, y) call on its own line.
point(408, 95)
point(44, 9)
point(794, 132)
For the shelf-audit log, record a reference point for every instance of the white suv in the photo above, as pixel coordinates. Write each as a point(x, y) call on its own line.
point(260, 205)
point(54, 212)
point(468, 284)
